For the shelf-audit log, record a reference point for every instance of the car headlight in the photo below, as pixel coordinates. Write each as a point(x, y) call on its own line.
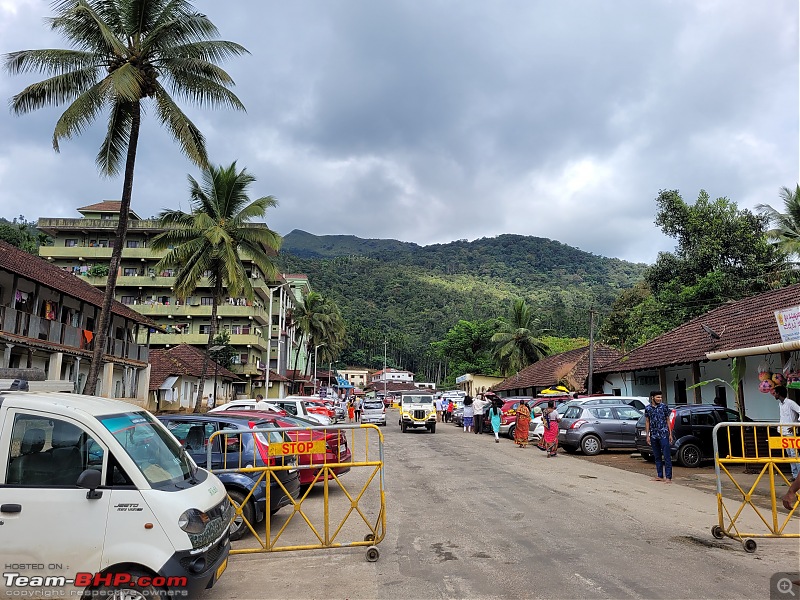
point(193, 521)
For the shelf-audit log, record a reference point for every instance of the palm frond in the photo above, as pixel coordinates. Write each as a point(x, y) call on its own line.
point(86, 29)
point(185, 132)
point(50, 61)
point(80, 113)
point(115, 144)
point(54, 91)
point(202, 91)
point(127, 82)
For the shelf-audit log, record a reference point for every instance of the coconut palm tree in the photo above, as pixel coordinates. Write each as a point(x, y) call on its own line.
point(211, 244)
point(785, 226)
point(123, 53)
point(321, 326)
point(517, 343)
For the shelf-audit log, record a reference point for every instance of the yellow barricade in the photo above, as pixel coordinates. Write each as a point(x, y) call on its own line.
point(315, 487)
point(762, 449)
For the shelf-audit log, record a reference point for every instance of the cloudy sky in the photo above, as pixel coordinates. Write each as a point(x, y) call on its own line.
point(434, 120)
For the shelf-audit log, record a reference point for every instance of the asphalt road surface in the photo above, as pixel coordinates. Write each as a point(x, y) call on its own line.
point(469, 518)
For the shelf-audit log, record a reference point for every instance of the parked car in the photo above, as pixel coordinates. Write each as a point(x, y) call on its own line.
point(247, 404)
point(593, 428)
point(193, 432)
point(637, 402)
point(297, 406)
point(336, 450)
point(373, 411)
point(693, 426)
point(458, 417)
point(321, 407)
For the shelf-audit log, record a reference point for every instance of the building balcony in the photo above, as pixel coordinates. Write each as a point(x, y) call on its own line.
point(201, 339)
point(250, 369)
point(96, 253)
point(187, 311)
point(108, 226)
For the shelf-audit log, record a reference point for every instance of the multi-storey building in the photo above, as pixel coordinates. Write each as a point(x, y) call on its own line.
point(259, 330)
point(47, 324)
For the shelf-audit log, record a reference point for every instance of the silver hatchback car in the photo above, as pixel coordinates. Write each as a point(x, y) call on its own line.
point(593, 428)
point(373, 411)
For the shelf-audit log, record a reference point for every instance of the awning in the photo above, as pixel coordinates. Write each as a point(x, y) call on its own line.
point(169, 382)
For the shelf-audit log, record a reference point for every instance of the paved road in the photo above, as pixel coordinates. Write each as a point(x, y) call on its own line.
point(468, 518)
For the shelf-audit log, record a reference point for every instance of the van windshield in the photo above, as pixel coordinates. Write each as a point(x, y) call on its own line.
point(156, 453)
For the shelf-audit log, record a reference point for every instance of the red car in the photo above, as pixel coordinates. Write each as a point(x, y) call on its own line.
point(321, 407)
point(336, 450)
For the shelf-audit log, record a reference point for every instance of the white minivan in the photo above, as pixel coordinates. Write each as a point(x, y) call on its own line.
point(97, 494)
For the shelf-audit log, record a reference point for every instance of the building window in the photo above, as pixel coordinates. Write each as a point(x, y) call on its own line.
point(132, 244)
point(103, 243)
point(128, 272)
point(243, 359)
point(205, 329)
point(206, 301)
point(70, 243)
point(128, 299)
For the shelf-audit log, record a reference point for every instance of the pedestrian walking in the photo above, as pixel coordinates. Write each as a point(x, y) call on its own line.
point(522, 425)
point(658, 431)
point(495, 414)
point(448, 413)
point(468, 413)
point(351, 412)
point(789, 413)
point(357, 407)
point(439, 409)
point(550, 419)
point(478, 408)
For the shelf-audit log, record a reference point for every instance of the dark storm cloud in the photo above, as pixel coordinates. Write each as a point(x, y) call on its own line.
point(443, 120)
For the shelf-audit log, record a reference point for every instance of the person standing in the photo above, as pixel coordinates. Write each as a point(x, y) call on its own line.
point(439, 409)
point(522, 425)
point(469, 413)
point(357, 407)
point(658, 431)
point(479, 406)
point(448, 412)
point(351, 411)
point(494, 416)
point(790, 413)
point(550, 419)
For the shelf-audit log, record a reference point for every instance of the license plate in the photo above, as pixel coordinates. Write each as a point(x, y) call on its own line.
point(221, 569)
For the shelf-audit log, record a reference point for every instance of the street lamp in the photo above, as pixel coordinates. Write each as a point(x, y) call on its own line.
point(315, 366)
point(216, 365)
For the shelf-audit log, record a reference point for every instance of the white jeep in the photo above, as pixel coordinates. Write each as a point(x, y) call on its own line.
point(417, 410)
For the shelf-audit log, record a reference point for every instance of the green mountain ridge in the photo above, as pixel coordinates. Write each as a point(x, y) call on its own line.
point(412, 295)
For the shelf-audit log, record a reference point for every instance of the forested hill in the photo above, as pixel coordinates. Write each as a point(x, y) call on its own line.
point(413, 294)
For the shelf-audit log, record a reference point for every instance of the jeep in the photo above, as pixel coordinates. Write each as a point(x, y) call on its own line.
point(417, 410)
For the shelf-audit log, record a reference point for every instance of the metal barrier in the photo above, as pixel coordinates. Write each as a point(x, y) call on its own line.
point(762, 447)
point(347, 514)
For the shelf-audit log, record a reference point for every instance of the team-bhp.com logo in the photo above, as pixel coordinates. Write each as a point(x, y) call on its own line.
point(166, 586)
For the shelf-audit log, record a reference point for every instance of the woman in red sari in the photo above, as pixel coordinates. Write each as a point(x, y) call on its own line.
point(522, 425)
point(550, 420)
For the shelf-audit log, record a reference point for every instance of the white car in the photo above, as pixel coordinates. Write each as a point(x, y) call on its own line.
point(296, 406)
point(245, 404)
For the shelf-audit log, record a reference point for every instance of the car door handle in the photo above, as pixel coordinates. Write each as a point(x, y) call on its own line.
point(11, 508)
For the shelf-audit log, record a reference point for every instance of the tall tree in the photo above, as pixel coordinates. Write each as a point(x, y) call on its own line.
point(467, 348)
point(785, 226)
point(321, 326)
point(722, 254)
point(212, 243)
point(517, 342)
point(123, 53)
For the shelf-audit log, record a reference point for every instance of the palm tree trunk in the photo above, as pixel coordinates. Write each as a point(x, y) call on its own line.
point(102, 327)
point(212, 332)
point(296, 358)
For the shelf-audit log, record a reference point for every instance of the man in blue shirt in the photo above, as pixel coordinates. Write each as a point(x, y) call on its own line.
point(658, 428)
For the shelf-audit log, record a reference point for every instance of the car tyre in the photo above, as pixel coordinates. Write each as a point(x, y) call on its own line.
point(569, 449)
point(238, 527)
point(648, 457)
point(126, 590)
point(511, 432)
point(402, 427)
point(591, 445)
point(432, 428)
point(689, 456)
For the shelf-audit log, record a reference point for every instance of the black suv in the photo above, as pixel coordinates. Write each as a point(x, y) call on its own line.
point(693, 425)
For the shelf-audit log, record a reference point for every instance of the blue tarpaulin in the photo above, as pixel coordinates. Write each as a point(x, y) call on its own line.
point(343, 384)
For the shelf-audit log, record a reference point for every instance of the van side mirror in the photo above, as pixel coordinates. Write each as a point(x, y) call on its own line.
point(90, 479)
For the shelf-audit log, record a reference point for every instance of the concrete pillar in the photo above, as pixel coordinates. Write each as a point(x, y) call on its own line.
point(54, 370)
point(7, 355)
point(698, 391)
point(107, 383)
point(143, 386)
point(76, 375)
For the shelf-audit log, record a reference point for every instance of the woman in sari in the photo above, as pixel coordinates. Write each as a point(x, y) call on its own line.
point(550, 421)
point(522, 425)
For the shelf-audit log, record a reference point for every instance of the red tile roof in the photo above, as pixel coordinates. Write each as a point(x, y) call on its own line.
point(742, 324)
point(14, 260)
point(571, 367)
point(182, 360)
point(107, 206)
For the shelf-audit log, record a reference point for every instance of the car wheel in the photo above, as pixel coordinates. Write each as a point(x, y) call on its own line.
point(402, 427)
point(432, 428)
point(569, 449)
point(129, 591)
point(648, 457)
point(511, 431)
point(689, 455)
point(590, 445)
point(238, 527)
